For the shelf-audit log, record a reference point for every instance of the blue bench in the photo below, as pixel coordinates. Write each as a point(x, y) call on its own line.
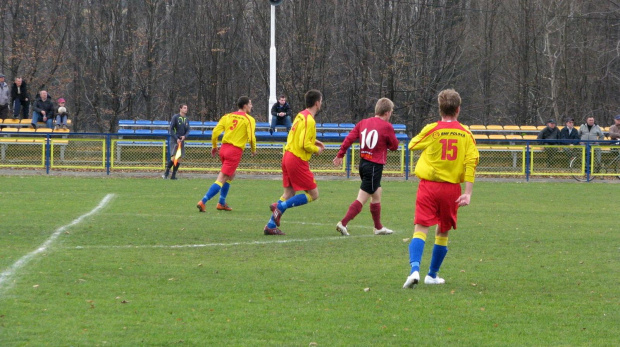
point(399, 128)
point(327, 126)
point(204, 127)
point(330, 136)
point(144, 123)
point(208, 125)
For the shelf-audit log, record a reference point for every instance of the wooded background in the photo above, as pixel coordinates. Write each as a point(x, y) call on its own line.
point(512, 61)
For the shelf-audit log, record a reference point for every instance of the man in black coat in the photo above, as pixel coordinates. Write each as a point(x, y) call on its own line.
point(20, 98)
point(43, 110)
point(550, 132)
point(570, 133)
point(280, 114)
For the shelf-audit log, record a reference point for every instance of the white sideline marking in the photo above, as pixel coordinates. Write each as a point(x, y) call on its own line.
point(249, 243)
point(227, 218)
point(8, 273)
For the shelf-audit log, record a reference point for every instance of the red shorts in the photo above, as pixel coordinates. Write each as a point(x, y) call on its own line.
point(436, 204)
point(296, 173)
point(230, 156)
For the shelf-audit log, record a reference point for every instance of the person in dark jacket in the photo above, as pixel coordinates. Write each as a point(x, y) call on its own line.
point(43, 110)
point(550, 132)
point(20, 99)
point(280, 114)
point(179, 130)
point(570, 133)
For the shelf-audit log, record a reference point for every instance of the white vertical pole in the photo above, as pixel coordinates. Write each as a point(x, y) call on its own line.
point(272, 64)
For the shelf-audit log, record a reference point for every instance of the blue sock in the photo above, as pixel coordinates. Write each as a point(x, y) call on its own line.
point(224, 192)
point(439, 253)
point(271, 224)
point(416, 248)
point(296, 200)
point(213, 190)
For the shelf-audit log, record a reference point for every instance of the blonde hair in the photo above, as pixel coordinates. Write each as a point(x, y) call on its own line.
point(383, 106)
point(449, 102)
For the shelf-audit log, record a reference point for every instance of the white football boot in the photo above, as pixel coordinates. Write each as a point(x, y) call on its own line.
point(342, 229)
point(437, 280)
point(383, 231)
point(412, 280)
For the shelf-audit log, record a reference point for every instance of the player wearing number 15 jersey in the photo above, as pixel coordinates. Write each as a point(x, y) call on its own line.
point(449, 157)
point(239, 129)
point(376, 136)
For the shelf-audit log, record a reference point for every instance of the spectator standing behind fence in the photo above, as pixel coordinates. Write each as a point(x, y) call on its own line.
point(591, 131)
point(376, 135)
point(449, 157)
point(569, 132)
point(280, 114)
point(61, 115)
point(550, 132)
point(179, 130)
point(5, 97)
point(20, 99)
point(43, 110)
point(614, 130)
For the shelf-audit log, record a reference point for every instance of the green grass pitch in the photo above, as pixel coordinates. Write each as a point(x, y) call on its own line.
point(530, 264)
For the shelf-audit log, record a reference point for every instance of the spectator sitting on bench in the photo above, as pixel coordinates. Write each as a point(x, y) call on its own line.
point(550, 132)
point(570, 133)
point(280, 114)
point(43, 109)
point(61, 115)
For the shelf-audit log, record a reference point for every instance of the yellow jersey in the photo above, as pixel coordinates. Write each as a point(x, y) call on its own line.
point(301, 138)
point(449, 153)
point(238, 128)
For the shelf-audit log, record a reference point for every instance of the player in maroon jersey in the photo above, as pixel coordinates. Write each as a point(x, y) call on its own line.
point(376, 136)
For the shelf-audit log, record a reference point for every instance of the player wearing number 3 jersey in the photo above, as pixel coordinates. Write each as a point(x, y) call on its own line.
point(376, 136)
point(239, 129)
point(301, 144)
point(449, 157)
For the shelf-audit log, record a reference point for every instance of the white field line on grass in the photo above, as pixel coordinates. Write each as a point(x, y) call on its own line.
point(8, 273)
point(248, 243)
point(221, 216)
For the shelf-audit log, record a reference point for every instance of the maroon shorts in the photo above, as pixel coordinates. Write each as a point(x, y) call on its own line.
point(296, 173)
point(230, 156)
point(436, 204)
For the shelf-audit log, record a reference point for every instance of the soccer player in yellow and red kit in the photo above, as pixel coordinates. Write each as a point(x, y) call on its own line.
point(301, 143)
point(239, 128)
point(376, 136)
point(449, 157)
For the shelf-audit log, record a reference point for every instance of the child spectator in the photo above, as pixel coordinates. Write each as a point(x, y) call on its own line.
point(61, 114)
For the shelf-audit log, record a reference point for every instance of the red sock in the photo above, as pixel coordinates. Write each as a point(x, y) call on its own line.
point(354, 210)
point(375, 211)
